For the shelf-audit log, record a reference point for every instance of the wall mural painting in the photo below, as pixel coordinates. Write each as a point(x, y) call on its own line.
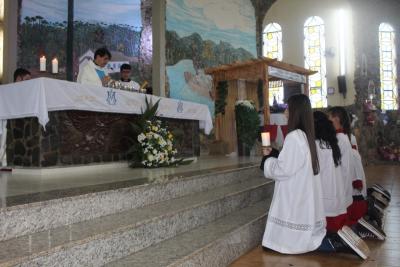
point(116, 24)
point(202, 34)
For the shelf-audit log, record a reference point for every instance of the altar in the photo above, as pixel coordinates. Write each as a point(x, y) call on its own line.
point(60, 123)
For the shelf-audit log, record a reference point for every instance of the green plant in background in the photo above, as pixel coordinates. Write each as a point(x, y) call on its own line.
point(220, 102)
point(260, 93)
point(247, 122)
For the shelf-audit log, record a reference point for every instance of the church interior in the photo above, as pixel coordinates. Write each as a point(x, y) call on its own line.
point(132, 132)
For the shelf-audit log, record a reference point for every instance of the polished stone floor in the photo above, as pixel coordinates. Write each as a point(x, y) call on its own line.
point(31, 185)
point(383, 253)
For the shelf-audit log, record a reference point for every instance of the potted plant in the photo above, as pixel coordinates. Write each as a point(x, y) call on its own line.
point(247, 126)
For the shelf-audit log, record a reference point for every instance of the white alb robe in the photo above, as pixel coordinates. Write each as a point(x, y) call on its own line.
point(332, 182)
point(88, 74)
point(359, 174)
point(346, 166)
point(296, 220)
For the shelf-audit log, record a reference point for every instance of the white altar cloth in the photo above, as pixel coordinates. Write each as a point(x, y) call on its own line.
point(36, 97)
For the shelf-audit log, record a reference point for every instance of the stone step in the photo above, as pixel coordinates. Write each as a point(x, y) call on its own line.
point(215, 244)
point(101, 240)
point(43, 215)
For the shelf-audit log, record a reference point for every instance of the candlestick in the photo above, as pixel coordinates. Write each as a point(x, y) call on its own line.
point(54, 65)
point(42, 63)
point(265, 139)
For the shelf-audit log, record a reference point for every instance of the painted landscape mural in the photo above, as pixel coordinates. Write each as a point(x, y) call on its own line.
point(116, 24)
point(202, 34)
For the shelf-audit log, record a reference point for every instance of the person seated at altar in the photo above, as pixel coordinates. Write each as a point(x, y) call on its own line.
point(21, 74)
point(125, 72)
point(95, 72)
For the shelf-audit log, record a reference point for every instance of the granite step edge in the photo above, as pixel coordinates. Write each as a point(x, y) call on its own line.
point(256, 193)
point(178, 177)
point(250, 236)
point(194, 244)
point(55, 213)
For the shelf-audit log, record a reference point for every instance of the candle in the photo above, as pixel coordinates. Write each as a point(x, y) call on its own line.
point(54, 65)
point(42, 62)
point(265, 139)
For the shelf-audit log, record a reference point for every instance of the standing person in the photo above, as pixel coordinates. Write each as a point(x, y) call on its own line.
point(340, 238)
point(296, 221)
point(95, 72)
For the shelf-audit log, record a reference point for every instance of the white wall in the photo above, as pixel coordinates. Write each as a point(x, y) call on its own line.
point(291, 15)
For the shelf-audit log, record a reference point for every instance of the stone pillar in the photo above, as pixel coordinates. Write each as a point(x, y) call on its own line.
point(10, 39)
point(146, 41)
point(159, 10)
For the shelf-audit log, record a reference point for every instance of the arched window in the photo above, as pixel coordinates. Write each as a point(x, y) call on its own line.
point(272, 48)
point(387, 54)
point(314, 59)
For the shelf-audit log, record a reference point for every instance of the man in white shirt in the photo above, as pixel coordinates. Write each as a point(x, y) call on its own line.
point(20, 74)
point(125, 71)
point(94, 72)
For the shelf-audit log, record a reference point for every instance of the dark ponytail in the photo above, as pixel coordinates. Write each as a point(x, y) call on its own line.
point(326, 134)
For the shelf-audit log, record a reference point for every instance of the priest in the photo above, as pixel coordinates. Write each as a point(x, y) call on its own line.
point(95, 72)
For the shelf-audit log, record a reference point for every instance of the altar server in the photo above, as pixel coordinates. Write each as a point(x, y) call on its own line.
point(358, 206)
point(95, 72)
point(332, 180)
point(339, 238)
point(125, 72)
point(296, 221)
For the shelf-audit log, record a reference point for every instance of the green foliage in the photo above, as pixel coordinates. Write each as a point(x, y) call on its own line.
point(247, 124)
point(220, 102)
point(260, 93)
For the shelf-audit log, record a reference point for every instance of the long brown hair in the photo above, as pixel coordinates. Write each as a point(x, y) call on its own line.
point(301, 117)
point(344, 119)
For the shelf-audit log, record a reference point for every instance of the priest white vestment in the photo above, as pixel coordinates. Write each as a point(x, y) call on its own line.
point(89, 74)
point(296, 220)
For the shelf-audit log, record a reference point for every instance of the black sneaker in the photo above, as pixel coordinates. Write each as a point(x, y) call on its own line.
point(374, 214)
point(379, 198)
point(383, 191)
point(373, 227)
point(367, 231)
point(354, 242)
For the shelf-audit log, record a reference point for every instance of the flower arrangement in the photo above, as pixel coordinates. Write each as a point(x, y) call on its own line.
point(154, 145)
point(246, 103)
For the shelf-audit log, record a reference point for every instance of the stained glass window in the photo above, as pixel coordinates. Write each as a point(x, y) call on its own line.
point(387, 67)
point(272, 39)
point(314, 59)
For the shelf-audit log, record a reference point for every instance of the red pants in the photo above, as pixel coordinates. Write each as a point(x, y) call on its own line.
point(334, 224)
point(356, 211)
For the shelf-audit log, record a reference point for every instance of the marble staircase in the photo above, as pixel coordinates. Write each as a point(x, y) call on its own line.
point(204, 218)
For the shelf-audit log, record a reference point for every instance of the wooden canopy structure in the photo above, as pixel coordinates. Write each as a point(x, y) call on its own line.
point(248, 73)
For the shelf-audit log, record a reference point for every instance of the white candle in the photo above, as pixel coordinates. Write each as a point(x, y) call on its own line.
point(42, 62)
point(54, 65)
point(265, 139)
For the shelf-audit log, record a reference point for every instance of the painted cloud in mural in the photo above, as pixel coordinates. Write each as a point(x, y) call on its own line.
point(203, 34)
